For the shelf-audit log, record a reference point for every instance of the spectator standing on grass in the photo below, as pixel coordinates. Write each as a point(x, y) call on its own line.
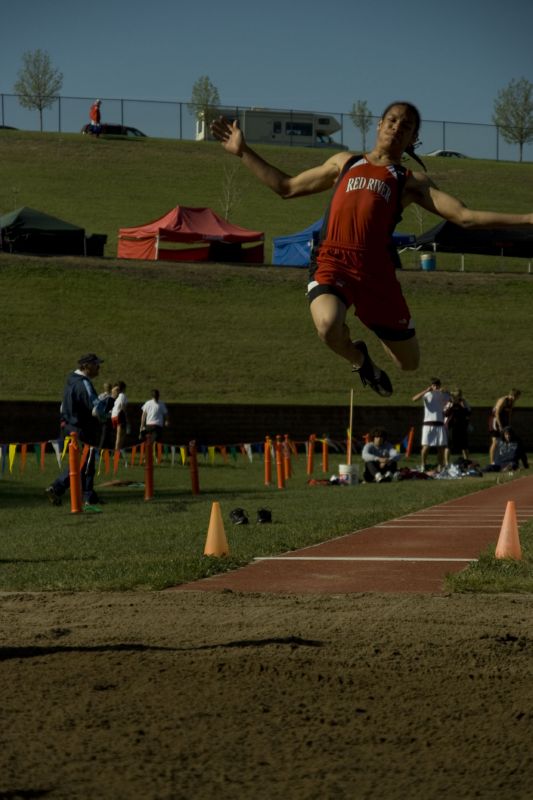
point(106, 401)
point(509, 453)
point(106, 392)
point(434, 432)
point(380, 457)
point(81, 413)
point(119, 417)
point(95, 118)
point(353, 263)
point(457, 413)
point(154, 417)
point(500, 418)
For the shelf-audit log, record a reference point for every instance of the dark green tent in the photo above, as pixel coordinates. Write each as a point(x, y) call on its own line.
point(29, 231)
point(449, 238)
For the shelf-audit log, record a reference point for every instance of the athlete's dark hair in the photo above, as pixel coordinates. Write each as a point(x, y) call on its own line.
point(410, 149)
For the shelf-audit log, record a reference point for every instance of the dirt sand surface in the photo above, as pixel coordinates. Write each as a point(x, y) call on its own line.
point(224, 695)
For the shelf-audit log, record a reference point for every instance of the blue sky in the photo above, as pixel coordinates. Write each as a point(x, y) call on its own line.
point(449, 58)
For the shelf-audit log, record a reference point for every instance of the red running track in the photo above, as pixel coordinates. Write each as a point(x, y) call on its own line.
point(409, 554)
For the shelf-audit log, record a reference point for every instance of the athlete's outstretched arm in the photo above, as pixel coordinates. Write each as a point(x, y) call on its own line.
point(317, 179)
point(421, 190)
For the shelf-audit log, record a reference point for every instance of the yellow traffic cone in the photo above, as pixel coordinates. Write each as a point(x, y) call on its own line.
point(216, 543)
point(508, 541)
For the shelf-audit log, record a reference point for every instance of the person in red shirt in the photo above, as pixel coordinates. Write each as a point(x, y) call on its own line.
point(95, 117)
point(354, 262)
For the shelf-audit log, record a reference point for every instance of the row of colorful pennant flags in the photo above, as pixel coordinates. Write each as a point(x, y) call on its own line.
point(134, 455)
point(128, 457)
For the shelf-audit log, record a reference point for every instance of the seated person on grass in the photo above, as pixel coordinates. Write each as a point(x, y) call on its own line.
point(380, 457)
point(508, 454)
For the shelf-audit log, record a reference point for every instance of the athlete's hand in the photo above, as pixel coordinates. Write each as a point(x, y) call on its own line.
point(228, 134)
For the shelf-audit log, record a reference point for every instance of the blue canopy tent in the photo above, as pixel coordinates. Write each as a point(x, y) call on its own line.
point(295, 250)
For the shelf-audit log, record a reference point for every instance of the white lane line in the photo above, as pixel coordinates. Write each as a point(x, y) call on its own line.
point(359, 558)
point(466, 511)
point(472, 508)
point(468, 514)
point(480, 514)
point(451, 527)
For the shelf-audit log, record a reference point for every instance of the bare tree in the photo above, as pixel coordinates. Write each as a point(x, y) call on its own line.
point(513, 112)
point(419, 215)
point(204, 101)
point(38, 81)
point(230, 189)
point(361, 118)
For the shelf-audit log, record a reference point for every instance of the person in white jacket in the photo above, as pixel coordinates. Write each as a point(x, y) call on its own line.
point(380, 457)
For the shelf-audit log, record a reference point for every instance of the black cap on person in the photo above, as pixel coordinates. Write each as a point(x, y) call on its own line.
point(89, 358)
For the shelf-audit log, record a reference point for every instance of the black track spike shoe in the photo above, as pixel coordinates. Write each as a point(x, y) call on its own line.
point(372, 376)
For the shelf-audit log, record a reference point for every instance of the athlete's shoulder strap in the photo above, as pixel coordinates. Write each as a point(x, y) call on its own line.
point(346, 166)
point(401, 175)
point(349, 163)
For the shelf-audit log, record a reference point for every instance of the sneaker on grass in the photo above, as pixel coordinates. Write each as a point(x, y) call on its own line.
point(53, 497)
point(88, 508)
point(239, 516)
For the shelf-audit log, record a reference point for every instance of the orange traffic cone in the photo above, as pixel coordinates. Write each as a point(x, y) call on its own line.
point(508, 541)
point(216, 543)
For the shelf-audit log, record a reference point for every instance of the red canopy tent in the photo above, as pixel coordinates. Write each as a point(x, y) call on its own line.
point(222, 240)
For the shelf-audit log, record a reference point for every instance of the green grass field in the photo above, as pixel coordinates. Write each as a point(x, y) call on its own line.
point(213, 333)
point(142, 545)
point(217, 333)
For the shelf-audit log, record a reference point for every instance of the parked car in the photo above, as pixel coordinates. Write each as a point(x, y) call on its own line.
point(447, 154)
point(108, 129)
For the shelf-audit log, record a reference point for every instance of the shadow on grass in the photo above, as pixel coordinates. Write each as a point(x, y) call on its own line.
point(17, 498)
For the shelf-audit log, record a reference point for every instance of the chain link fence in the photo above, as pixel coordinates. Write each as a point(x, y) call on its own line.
point(174, 120)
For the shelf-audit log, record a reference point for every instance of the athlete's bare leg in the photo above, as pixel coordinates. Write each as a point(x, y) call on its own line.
point(329, 316)
point(405, 354)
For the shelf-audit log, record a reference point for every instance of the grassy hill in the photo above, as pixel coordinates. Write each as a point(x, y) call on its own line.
point(215, 333)
point(105, 184)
